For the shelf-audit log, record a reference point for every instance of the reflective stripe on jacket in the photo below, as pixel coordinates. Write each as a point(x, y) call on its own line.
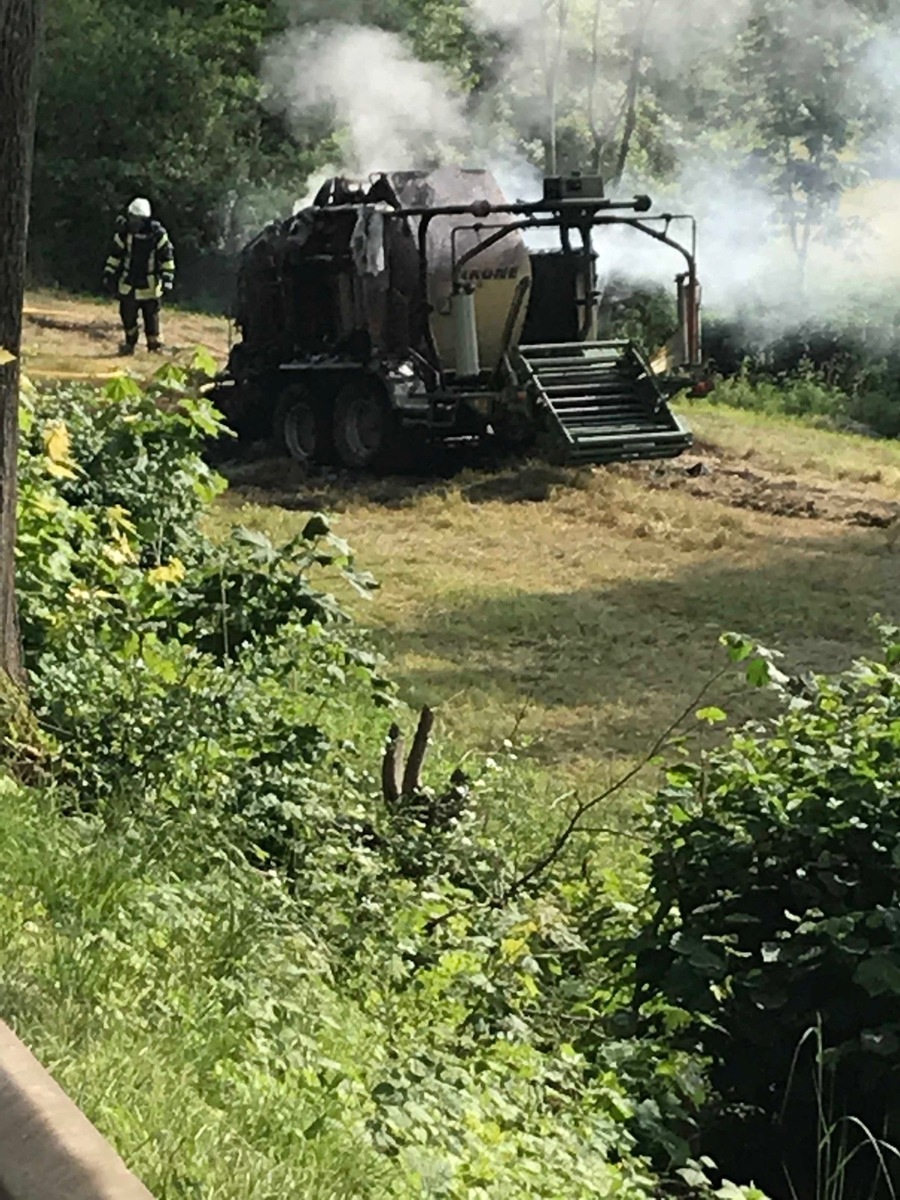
point(141, 263)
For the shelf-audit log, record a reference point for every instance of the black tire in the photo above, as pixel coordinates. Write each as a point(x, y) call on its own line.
point(242, 407)
point(367, 433)
point(299, 428)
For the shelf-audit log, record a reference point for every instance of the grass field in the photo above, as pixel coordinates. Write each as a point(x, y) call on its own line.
point(575, 611)
point(583, 606)
point(593, 600)
point(68, 338)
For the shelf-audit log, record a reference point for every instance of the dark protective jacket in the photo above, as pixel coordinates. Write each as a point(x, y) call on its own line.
point(142, 264)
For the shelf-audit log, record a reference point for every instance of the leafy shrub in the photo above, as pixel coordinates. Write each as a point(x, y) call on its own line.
point(358, 982)
point(162, 660)
point(800, 397)
point(775, 889)
point(127, 448)
point(643, 314)
point(843, 366)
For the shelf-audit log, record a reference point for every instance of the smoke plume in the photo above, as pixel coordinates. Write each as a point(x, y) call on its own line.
point(398, 113)
point(565, 67)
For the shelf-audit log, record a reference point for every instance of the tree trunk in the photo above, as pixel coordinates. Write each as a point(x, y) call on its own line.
point(20, 22)
point(633, 86)
point(593, 123)
point(551, 68)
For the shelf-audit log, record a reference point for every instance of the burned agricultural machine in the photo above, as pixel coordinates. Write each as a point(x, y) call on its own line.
point(409, 309)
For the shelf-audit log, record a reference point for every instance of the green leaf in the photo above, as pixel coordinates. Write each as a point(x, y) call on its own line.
point(263, 549)
point(122, 388)
point(206, 417)
point(879, 975)
point(693, 1177)
point(204, 362)
point(731, 1191)
point(172, 376)
point(711, 715)
point(159, 664)
point(758, 673)
point(315, 1127)
point(738, 647)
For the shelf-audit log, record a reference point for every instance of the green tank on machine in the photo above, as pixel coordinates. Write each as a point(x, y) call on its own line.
point(412, 307)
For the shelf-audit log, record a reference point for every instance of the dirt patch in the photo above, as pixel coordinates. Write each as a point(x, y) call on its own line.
point(710, 475)
point(281, 482)
point(98, 330)
point(708, 472)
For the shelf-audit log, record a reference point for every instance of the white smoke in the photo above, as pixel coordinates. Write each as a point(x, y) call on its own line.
point(397, 112)
point(560, 58)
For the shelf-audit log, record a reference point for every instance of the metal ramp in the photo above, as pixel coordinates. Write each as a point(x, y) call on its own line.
point(604, 401)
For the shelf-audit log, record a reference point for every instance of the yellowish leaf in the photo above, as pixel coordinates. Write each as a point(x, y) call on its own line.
point(57, 443)
point(119, 518)
point(6, 357)
point(171, 572)
point(59, 470)
point(511, 948)
point(119, 552)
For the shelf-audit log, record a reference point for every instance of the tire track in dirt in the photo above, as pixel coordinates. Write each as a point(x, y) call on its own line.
point(710, 475)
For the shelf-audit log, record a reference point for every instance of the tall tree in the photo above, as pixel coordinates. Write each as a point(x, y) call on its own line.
point(617, 77)
point(20, 23)
point(803, 90)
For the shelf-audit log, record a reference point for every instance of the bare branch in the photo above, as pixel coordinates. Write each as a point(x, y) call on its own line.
point(573, 825)
point(412, 783)
point(392, 767)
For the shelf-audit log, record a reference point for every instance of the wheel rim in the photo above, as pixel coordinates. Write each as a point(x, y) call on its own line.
point(364, 427)
point(300, 432)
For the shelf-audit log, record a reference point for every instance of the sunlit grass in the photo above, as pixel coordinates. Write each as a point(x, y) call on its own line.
point(190, 1022)
point(67, 337)
point(796, 447)
point(595, 606)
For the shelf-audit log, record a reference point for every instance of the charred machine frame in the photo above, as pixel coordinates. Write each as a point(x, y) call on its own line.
point(409, 308)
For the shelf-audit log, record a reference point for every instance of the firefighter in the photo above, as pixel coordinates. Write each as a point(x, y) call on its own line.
point(140, 270)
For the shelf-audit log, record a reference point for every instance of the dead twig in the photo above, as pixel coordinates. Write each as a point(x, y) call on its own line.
point(412, 781)
point(392, 767)
point(573, 825)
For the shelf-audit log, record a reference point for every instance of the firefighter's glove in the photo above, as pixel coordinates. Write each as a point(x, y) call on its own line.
point(109, 284)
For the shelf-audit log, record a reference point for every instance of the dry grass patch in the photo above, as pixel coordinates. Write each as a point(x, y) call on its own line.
point(797, 449)
point(596, 602)
point(69, 338)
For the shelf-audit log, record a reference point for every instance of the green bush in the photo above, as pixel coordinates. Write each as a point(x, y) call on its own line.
point(642, 314)
point(258, 977)
point(843, 367)
point(775, 927)
point(801, 397)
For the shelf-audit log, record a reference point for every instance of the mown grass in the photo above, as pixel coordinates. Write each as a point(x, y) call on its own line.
point(593, 603)
point(794, 446)
point(67, 337)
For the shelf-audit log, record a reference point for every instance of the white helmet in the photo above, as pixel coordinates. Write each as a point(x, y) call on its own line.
point(139, 207)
